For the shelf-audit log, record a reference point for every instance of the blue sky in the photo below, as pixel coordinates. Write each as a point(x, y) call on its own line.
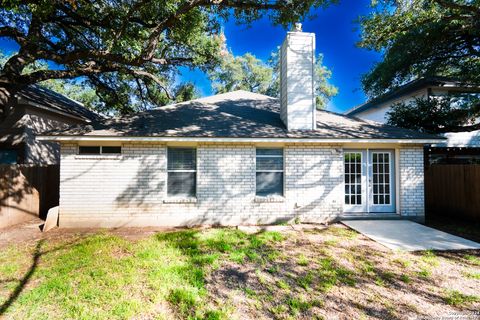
point(336, 34)
point(335, 38)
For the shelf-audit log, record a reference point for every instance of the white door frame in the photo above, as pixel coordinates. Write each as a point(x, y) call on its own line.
point(365, 203)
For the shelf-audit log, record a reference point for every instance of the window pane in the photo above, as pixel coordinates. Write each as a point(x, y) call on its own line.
point(181, 184)
point(88, 150)
point(269, 163)
point(181, 159)
point(8, 156)
point(270, 152)
point(111, 150)
point(269, 183)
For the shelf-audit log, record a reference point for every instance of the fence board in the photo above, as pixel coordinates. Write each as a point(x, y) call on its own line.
point(27, 191)
point(453, 191)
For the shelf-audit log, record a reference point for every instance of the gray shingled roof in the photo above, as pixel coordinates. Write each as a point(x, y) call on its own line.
point(56, 102)
point(238, 114)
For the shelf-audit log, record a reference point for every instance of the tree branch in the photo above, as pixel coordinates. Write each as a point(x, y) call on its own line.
point(154, 78)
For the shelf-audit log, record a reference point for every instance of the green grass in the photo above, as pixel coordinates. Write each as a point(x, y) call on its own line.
point(456, 298)
point(472, 259)
point(424, 273)
point(405, 278)
point(106, 277)
point(282, 284)
point(174, 275)
point(342, 232)
point(472, 275)
point(430, 258)
point(331, 274)
point(302, 260)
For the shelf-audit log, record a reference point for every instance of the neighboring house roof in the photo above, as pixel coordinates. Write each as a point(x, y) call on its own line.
point(238, 114)
point(411, 87)
point(44, 98)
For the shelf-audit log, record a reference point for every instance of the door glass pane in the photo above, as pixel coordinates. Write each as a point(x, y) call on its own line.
point(353, 178)
point(381, 178)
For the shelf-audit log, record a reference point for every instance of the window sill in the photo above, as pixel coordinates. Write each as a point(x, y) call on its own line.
point(269, 199)
point(99, 156)
point(180, 200)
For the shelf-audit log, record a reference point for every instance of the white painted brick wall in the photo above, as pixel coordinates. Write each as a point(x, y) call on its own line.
point(297, 96)
point(130, 189)
point(314, 181)
point(412, 195)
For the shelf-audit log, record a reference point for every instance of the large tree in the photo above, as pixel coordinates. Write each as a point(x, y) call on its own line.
point(421, 38)
point(128, 50)
point(245, 72)
point(75, 89)
point(252, 74)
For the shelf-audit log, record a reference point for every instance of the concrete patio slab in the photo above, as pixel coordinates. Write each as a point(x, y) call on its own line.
point(409, 236)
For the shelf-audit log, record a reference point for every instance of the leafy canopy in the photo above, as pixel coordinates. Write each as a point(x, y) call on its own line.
point(129, 51)
point(421, 38)
point(250, 73)
point(438, 114)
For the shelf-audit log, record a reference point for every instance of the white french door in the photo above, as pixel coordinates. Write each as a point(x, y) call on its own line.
point(369, 181)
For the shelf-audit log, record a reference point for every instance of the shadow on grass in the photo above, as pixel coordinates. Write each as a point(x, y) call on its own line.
point(23, 282)
point(26, 278)
point(204, 252)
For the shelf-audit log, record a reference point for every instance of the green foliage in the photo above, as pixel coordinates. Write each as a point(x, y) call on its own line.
point(437, 114)
point(77, 90)
point(129, 51)
point(241, 73)
point(185, 92)
point(421, 38)
point(457, 298)
point(251, 74)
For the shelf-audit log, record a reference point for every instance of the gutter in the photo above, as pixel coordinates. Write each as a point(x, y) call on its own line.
point(245, 140)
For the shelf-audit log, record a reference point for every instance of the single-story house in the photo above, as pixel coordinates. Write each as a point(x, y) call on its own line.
point(240, 158)
point(38, 109)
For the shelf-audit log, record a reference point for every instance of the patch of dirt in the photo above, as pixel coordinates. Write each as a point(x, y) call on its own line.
point(31, 231)
point(381, 283)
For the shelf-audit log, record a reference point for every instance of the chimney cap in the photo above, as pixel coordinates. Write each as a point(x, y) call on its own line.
point(297, 27)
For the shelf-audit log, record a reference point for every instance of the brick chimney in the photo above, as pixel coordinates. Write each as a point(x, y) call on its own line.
point(297, 90)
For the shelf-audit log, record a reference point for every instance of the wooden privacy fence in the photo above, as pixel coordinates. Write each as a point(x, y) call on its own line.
point(27, 191)
point(453, 190)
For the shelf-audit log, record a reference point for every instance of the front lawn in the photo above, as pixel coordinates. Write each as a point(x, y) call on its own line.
point(225, 273)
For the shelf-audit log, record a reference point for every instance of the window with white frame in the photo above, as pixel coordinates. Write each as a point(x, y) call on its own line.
point(91, 150)
point(182, 172)
point(269, 172)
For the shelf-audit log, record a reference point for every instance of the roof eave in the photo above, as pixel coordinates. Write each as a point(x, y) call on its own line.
point(60, 138)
